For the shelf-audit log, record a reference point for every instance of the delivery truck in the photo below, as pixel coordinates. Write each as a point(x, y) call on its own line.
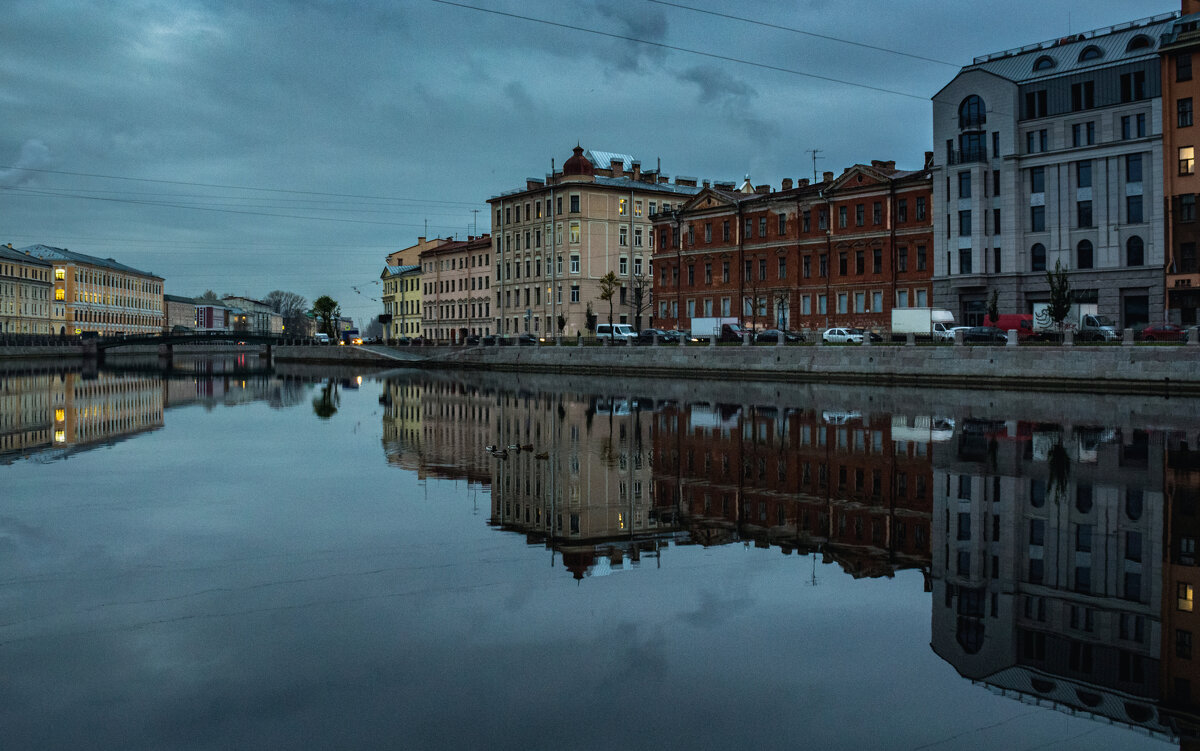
point(1083, 318)
point(702, 328)
point(925, 323)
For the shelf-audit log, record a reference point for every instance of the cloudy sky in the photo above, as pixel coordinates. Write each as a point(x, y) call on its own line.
point(246, 147)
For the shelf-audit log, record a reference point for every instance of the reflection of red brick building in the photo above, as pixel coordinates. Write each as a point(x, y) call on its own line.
point(1181, 574)
point(841, 251)
point(798, 479)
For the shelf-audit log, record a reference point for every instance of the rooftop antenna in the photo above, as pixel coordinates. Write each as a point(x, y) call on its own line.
point(814, 153)
point(475, 221)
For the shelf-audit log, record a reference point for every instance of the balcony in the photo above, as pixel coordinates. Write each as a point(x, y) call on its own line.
point(968, 156)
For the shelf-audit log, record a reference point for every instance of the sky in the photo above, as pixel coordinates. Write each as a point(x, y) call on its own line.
point(285, 144)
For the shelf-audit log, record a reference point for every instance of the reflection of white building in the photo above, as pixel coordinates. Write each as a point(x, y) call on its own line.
point(1047, 581)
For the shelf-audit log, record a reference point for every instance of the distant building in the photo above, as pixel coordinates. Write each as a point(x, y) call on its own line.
point(411, 255)
point(102, 295)
point(402, 300)
point(1180, 91)
point(25, 293)
point(456, 284)
point(1049, 153)
point(181, 313)
point(255, 316)
point(554, 239)
point(212, 315)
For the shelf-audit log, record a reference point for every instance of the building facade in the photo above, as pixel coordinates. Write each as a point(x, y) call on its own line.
point(456, 289)
point(1180, 89)
point(402, 301)
point(213, 316)
point(101, 295)
point(1050, 154)
point(254, 316)
point(554, 240)
point(181, 313)
point(843, 251)
point(25, 293)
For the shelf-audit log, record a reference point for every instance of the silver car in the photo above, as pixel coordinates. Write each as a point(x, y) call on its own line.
point(842, 336)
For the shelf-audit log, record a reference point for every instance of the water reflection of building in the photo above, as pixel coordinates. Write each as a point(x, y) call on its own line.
point(1047, 565)
point(801, 479)
point(26, 413)
point(438, 428)
point(1180, 614)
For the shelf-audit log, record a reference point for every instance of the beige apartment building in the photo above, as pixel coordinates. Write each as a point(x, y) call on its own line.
point(402, 301)
point(456, 284)
point(555, 239)
point(25, 292)
point(100, 294)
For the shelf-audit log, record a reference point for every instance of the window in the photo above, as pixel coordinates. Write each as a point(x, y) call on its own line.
point(623, 238)
point(1084, 254)
point(622, 265)
point(748, 232)
point(574, 293)
point(60, 274)
point(725, 271)
point(841, 302)
point(859, 263)
point(1083, 174)
point(920, 208)
point(623, 206)
point(708, 232)
point(1133, 86)
point(841, 217)
point(1035, 104)
point(1035, 141)
point(964, 184)
point(1183, 644)
point(1037, 256)
point(782, 224)
point(1083, 95)
point(971, 113)
point(637, 208)
point(921, 259)
point(1135, 254)
point(806, 219)
point(1133, 168)
point(1083, 213)
point(782, 268)
point(1183, 111)
point(1037, 180)
point(708, 273)
point(574, 264)
point(60, 294)
point(902, 258)
point(996, 222)
point(1183, 597)
point(574, 204)
point(859, 215)
point(964, 223)
point(691, 275)
point(1183, 66)
point(637, 267)
point(637, 237)
point(725, 230)
point(860, 302)
point(762, 226)
point(1187, 160)
point(877, 305)
point(964, 260)
point(805, 305)
point(877, 261)
point(806, 267)
point(902, 210)
point(922, 302)
point(762, 268)
point(574, 230)
point(877, 213)
point(1133, 209)
point(901, 298)
point(823, 267)
point(822, 306)
point(1187, 207)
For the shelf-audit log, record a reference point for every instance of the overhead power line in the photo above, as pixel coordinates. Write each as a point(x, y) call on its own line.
point(813, 34)
point(230, 187)
point(676, 48)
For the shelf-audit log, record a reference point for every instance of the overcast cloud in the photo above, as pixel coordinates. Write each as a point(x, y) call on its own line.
point(416, 112)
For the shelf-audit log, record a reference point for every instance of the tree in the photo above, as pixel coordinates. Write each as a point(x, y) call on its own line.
point(781, 299)
point(589, 319)
point(327, 310)
point(209, 295)
point(993, 308)
point(325, 404)
point(290, 306)
point(1061, 295)
point(374, 329)
point(608, 287)
point(642, 299)
point(562, 322)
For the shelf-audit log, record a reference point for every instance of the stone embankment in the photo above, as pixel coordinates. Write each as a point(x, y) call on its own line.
point(1110, 368)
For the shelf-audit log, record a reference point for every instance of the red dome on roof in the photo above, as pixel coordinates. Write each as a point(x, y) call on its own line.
point(578, 164)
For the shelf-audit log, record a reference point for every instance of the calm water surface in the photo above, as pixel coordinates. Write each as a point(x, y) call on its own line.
point(226, 557)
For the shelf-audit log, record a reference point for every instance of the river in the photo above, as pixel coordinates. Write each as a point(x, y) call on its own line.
point(228, 555)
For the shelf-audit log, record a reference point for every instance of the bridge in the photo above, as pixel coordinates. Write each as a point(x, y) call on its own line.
point(95, 348)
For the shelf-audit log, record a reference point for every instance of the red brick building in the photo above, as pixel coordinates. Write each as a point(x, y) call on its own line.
point(842, 251)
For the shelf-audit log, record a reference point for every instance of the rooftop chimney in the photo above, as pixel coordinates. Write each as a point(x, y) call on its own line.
point(827, 177)
point(617, 166)
point(802, 182)
point(637, 170)
point(762, 189)
point(786, 184)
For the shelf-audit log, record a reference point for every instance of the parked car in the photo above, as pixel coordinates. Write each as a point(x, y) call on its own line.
point(615, 331)
point(321, 338)
point(1168, 332)
point(842, 336)
point(646, 336)
point(471, 339)
point(985, 335)
point(523, 339)
point(771, 336)
point(488, 341)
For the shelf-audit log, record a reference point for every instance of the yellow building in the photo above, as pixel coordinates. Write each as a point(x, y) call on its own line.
point(24, 293)
point(402, 300)
point(101, 295)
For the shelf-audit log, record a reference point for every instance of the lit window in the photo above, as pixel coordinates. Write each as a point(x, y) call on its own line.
point(1183, 594)
point(60, 274)
point(624, 207)
point(60, 294)
point(1187, 160)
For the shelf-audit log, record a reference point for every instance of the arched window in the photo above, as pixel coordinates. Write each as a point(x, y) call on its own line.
point(1135, 251)
point(971, 113)
point(1037, 255)
point(1091, 52)
point(1045, 62)
point(1084, 255)
point(1140, 41)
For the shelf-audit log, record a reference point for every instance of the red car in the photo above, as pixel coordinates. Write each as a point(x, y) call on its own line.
point(1167, 332)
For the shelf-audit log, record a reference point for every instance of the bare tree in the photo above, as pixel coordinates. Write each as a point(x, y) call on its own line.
point(642, 299)
point(291, 306)
point(608, 286)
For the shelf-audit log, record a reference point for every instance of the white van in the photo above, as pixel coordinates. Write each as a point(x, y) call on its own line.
point(616, 331)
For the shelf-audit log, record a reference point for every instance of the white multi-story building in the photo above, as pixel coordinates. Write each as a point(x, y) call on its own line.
point(1052, 153)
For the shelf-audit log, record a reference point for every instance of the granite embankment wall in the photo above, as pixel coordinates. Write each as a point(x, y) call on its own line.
point(1096, 369)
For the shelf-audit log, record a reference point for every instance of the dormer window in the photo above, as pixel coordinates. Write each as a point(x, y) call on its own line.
point(1091, 52)
point(1045, 62)
point(1141, 41)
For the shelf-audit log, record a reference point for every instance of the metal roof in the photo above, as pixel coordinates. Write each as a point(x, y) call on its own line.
point(625, 182)
point(397, 270)
point(603, 159)
point(50, 253)
point(1112, 42)
point(17, 255)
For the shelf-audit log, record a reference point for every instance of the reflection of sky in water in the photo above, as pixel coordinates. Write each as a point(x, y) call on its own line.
point(256, 577)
